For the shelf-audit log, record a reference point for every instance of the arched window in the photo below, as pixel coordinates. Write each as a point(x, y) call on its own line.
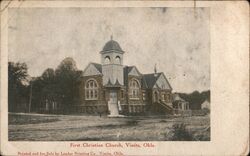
point(91, 90)
point(117, 60)
point(134, 88)
point(107, 60)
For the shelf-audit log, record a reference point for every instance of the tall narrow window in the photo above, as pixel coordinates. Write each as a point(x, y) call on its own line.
point(91, 90)
point(155, 96)
point(163, 97)
point(167, 98)
point(143, 96)
point(134, 88)
point(122, 94)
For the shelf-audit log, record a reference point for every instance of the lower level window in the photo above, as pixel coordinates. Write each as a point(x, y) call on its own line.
point(122, 94)
point(91, 94)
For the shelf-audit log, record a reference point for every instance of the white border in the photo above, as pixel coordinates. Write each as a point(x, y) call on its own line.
point(229, 81)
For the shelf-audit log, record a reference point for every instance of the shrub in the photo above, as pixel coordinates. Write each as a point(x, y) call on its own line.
point(180, 133)
point(206, 110)
point(132, 123)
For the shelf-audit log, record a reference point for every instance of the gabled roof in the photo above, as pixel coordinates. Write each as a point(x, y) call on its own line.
point(147, 80)
point(176, 97)
point(130, 68)
point(150, 79)
point(133, 68)
point(127, 69)
point(144, 83)
point(98, 66)
point(167, 81)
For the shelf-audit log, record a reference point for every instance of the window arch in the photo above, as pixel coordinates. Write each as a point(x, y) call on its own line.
point(117, 60)
point(107, 60)
point(91, 90)
point(134, 88)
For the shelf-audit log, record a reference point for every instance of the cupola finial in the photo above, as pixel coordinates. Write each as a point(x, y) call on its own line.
point(111, 37)
point(155, 70)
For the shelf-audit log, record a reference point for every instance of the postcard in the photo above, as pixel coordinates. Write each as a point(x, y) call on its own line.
point(116, 78)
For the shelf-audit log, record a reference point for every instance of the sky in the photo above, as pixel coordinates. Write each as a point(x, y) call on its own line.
point(177, 40)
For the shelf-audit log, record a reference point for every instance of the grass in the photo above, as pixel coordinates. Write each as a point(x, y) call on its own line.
point(23, 127)
point(181, 133)
point(28, 119)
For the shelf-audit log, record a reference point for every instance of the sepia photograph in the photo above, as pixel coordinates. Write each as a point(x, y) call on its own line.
point(109, 74)
point(124, 78)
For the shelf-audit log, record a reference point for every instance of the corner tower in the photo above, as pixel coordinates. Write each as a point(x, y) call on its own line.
point(112, 62)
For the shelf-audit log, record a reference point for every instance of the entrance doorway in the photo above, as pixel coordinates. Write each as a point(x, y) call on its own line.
point(113, 103)
point(156, 96)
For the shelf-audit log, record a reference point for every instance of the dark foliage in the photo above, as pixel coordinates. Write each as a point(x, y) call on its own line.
point(55, 91)
point(17, 87)
point(52, 92)
point(44, 91)
point(180, 133)
point(66, 76)
point(196, 98)
point(132, 123)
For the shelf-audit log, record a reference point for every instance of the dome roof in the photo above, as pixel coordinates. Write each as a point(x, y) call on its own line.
point(112, 45)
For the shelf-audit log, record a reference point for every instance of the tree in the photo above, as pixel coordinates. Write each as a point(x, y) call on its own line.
point(196, 98)
point(17, 86)
point(54, 91)
point(48, 76)
point(45, 96)
point(66, 76)
point(206, 95)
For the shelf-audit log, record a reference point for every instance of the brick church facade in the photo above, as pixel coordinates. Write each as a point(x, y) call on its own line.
point(115, 89)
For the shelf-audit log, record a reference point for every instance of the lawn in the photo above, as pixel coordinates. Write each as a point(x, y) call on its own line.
point(35, 127)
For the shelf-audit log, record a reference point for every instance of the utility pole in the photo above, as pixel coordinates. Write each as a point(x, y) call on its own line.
point(30, 96)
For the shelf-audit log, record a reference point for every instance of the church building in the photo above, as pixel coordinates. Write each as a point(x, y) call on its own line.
point(116, 89)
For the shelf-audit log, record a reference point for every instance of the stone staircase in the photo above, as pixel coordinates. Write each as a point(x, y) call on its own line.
point(113, 109)
point(165, 106)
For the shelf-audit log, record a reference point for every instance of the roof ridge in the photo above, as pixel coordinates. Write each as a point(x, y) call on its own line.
point(95, 63)
point(153, 73)
point(97, 66)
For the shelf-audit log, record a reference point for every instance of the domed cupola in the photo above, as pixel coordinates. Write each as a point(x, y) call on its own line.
point(112, 62)
point(111, 46)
